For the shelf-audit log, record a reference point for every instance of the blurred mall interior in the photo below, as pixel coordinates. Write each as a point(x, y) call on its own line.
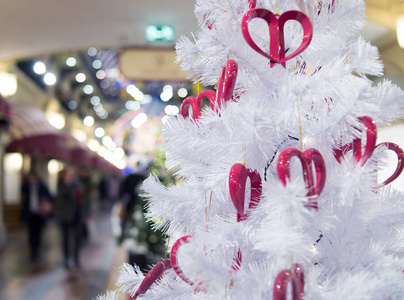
point(88, 85)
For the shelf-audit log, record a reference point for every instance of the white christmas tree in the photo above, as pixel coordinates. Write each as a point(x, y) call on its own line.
point(279, 196)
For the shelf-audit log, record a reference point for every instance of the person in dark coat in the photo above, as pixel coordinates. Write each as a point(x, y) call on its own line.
point(103, 192)
point(129, 195)
point(36, 207)
point(70, 211)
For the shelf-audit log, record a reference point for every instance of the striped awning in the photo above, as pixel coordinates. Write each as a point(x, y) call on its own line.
point(32, 134)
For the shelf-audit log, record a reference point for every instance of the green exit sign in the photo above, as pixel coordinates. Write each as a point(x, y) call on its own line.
point(159, 33)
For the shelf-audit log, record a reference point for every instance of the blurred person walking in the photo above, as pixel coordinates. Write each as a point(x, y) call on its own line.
point(103, 192)
point(70, 211)
point(114, 185)
point(36, 207)
point(129, 197)
point(85, 180)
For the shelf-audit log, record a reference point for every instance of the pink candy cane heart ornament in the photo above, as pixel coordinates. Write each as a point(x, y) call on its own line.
point(356, 145)
point(177, 269)
point(400, 162)
point(363, 156)
point(295, 277)
point(174, 261)
point(227, 81)
point(237, 183)
point(276, 36)
point(154, 275)
point(314, 185)
point(195, 104)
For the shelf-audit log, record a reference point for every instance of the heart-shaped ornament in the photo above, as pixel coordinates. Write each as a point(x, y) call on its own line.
point(227, 81)
point(177, 269)
point(308, 158)
point(295, 277)
point(356, 145)
point(195, 104)
point(174, 259)
point(154, 275)
point(363, 153)
point(224, 92)
point(237, 185)
point(276, 26)
point(400, 162)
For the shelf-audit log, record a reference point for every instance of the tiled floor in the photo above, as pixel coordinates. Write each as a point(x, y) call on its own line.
point(47, 278)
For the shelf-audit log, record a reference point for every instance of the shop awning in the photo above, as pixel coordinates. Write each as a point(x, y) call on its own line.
point(102, 164)
point(80, 154)
point(32, 134)
point(5, 112)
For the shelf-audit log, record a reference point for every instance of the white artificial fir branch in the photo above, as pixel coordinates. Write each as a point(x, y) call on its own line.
point(364, 58)
point(110, 295)
point(129, 278)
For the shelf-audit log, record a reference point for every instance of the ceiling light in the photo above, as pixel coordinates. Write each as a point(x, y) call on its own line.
point(132, 90)
point(112, 147)
point(139, 120)
point(93, 145)
point(171, 110)
point(132, 105)
point(107, 141)
point(146, 99)
point(92, 51)
point(88, 89)
point(164, 120)
point(49, 79)
point(97, 64)
point(99, 132)
point(98, 107)
point(13, 161)
point(79, 134)
point(119, 152)
point(72, 104)
point(104, 115)
point(100, 74)
point(95, 100)
point(88, 121)
point(166, 95)
point(39, 68)
point(80, 77)
point(112, 73)
point(168, 87)
point(400, 30)
point(182, 92)
point(8, 84)
point(71, 61)
point(138, 95)
point(54, 166)
point(104, 84)
point(102, 151)
point(57, 120)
